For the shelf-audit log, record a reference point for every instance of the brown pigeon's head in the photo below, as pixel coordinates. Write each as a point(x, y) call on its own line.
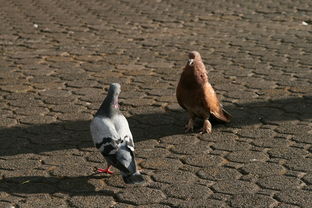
point(194, 55)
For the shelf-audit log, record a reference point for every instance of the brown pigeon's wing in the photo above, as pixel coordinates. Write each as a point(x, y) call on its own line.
point(180, 95)
point(212, 103)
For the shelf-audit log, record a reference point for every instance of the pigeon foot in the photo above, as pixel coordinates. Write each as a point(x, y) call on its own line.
point(189, 127)
point(100, 170)
point(206, 127)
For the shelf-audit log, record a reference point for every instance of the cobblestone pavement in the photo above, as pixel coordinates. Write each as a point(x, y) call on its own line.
point(58, 57)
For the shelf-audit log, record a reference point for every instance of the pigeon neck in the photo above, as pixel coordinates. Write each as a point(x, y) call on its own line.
point(109, 106)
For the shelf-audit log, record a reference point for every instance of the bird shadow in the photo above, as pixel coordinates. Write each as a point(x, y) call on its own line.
point(73, 186)
point(75, 134)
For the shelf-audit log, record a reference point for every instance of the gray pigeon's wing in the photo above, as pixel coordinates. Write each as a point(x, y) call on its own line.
point(122, 127)
point(104, 135)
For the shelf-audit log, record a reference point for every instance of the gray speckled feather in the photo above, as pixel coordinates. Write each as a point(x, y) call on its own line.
point(112, 136)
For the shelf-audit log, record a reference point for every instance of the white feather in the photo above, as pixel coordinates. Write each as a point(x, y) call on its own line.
point(116, 128)
point(123, 130)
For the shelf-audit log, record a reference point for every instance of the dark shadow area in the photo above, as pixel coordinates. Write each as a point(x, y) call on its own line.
point(73, 186)
point(75, 134)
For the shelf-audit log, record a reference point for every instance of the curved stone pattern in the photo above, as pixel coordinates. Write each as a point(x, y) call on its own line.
point(58, 57)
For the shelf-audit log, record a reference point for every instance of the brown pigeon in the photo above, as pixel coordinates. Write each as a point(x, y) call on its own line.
point(196, 95)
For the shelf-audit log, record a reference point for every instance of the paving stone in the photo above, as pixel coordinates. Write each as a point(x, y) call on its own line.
point(283, 205)
point(152, 152)
point(55, 93)
point(204, 160)
point(16, 88)
point(263, 169)
point(234, 187)
point(179, 139)
point(7, 205)
point(140, 196)
point(294, 196)
point(257, 133)
point(187, 149)
point(69, 108)
point(57, 100)
point(207, 203)
point(221, 196)
point(161, 163)
point(279, 182)
point(267, 143)
point(137, 102)
point(174, 176)
point(123, 205)
point(188, 191)
point(218, 173)
point(19, 163)
point(308, 178)
point(303, 138)
point(287, 153)
point(247, 156)
point(252, 200)
point(64, 165)
point(153, 206)
point(28, 111)
point(229, 145)
point(26, 100)
point(43, 200)
point(74, 116)
point(38, 119)
point(290, 128)
point(304, 164)
point(76, 185)
point(92, 200)
point(43, 79)
point(26, 188)
point(8, 122)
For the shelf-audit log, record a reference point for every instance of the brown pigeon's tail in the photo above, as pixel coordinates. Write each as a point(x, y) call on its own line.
point(226, 115)
point(222, 116)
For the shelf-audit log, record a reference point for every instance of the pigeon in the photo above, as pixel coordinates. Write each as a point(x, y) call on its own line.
point(196, 95)
point(112, 137)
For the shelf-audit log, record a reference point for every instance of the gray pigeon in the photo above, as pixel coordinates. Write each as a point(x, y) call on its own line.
point(112, 136)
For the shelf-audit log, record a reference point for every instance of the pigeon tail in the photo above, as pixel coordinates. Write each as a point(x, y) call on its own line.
point(135, 178)
point(227, 115)
point(224, 116)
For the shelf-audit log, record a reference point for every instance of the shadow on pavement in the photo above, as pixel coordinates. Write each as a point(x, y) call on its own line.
point(75, 134)
point(39, 184)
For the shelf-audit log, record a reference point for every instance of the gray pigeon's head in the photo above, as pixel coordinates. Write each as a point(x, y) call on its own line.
point(114, 89)
point(110, 104)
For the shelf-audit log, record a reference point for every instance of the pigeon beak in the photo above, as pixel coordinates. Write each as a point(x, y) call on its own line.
point(190, 62)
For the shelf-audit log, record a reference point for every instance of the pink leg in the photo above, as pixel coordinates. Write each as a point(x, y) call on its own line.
point(206, 127)
point(100, 170)
point(190, 124)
